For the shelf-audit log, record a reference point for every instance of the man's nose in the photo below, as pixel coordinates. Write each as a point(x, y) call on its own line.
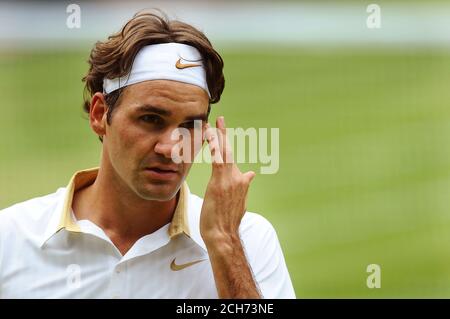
point(166, 144)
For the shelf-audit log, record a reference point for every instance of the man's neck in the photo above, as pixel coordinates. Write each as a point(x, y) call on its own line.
point(119, 212)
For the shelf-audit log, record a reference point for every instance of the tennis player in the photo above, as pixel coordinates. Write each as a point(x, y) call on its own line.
point(131, 228)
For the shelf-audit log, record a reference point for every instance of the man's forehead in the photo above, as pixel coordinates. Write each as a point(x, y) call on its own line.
point(166, 98)
point(169, 89)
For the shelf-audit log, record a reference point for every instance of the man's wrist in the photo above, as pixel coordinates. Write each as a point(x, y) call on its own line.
point(222, 242)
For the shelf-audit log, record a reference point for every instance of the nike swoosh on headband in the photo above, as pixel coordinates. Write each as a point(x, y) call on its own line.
point(181, 66)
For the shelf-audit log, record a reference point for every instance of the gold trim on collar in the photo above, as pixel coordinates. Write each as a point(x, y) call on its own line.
point(79, 180)
point(84, 178)
point(179, 222)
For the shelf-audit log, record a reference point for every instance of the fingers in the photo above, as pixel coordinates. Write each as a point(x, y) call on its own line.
point(221, 133)
point(214, 146)
point(221, 151)
point(225, 147)
point(249, 176)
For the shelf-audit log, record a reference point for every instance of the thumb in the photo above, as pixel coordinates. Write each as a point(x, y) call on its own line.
point(250, 176)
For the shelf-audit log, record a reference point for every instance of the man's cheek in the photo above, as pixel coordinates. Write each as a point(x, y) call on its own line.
point(128, 139)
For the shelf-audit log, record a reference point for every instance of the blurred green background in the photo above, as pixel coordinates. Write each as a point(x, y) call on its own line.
point(364, 154)
point(364, 163)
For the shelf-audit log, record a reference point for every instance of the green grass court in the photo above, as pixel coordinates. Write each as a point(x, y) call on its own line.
point(364, 156)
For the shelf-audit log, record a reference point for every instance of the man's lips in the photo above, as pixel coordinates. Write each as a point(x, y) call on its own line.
point(163, 169)
point(162, 172)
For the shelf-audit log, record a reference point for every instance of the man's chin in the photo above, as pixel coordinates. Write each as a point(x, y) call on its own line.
point(159, 192)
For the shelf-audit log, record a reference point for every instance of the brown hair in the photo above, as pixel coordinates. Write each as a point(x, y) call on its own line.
point(114, 57)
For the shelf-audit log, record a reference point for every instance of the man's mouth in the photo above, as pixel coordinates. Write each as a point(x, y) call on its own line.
point(162, 172)
point(163, 169)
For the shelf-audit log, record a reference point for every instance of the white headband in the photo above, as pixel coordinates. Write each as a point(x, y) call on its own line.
point(167, 61)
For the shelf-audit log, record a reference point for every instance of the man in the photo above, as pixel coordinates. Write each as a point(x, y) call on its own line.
point(131, 228)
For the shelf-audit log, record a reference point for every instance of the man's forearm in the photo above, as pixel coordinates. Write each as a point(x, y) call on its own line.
point(223, 208)
point(232, 272)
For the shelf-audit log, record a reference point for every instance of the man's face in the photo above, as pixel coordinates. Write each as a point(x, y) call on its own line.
point(138, 142)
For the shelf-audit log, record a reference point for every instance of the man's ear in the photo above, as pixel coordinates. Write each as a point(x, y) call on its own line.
point(98, 114)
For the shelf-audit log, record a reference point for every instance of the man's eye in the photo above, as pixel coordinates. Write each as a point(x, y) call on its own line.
point(152, 119)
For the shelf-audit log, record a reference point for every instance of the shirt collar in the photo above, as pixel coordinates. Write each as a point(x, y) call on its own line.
point(63, 219)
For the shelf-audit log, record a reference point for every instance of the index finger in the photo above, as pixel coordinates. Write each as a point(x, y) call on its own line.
point(213, 143)
point(227, 152)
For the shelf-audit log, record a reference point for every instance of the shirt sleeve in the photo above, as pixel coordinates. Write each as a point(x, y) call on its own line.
point(266, 258)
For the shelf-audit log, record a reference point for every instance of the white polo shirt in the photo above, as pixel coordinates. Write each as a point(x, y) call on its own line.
point(46, 253)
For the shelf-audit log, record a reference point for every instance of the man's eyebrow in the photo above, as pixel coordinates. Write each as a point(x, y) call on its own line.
point(161, 111)
point(153, 109)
